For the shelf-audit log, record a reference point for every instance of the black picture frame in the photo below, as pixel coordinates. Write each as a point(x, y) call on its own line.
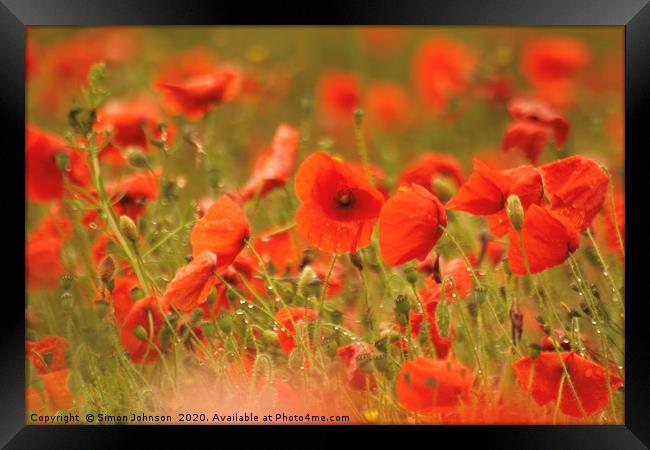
point(634, 15)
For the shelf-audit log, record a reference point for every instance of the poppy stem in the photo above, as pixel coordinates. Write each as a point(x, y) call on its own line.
point(606, 272)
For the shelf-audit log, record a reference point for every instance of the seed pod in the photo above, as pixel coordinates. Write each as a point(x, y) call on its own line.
point(308, 283)
point(66, 282)
point(444, 188)
point(140, 333)
point(128, 228)
point(197, 313)
point(356, 261)
point(411, 275)
point(535, 350)
point(62, 160)
point(402, 304)
point(136, 158)
point(225, 322)
point(515, 212)
point(106, 269)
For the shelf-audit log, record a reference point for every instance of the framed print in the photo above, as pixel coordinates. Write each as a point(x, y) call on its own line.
point(377, 217)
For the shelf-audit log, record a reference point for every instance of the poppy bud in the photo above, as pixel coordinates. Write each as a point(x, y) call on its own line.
point(535, 350)
point(197, 313)
point(137, 293)
point(225, 322)
point(208, 329)
point(212, 296)
point(66, 282)
point(165, 337)
point(308, 255)
point(270, 336)
point(330, 345)
point(62, 161)
point(356, 261)
point(336, 317)
point(106, 269)
point(383, 364)
point(308, 283)
point(66, 301)
point(444, 188)
point(443, 318)
point(363, 362)
point(128, 228)
point(411, 275)
point(402, 304)
point(140, 333)
point(506, 266)
point(515, 212)
point(136, 158)
point(358, 116)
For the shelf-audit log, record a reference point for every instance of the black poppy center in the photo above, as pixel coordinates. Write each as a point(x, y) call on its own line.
point(345, 199)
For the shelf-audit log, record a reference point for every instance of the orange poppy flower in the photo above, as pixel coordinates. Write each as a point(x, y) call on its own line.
point(441, 69)
point(495, 251)
point(357, 378)
point(193, 84)
point(409, 225)
point(131, 122)
point(338, 95)
point(526, 137)
point(589, 380)
point(223, 230)
point(145, 313)
point(428, 167)
point(442, 344)
point(192, 283)
point(575, 188)
point(130, 195)
point(287, 317)
point(378, 176)
point(388, 106)
point(339, 205)
point(57, 394)
point(538, 111)
point(547, 237)
point(425, 384)
point(43, 178)
point(47, 354)
point(273, 167)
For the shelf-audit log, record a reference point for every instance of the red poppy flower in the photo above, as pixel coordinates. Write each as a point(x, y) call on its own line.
point(44, 179)
point(487, 189)
point(428, 167)
point(548, 239)
point(588, 378)
point(57, 394)
point(358, 378)
point(551, 59)
point(455, 270)
point(498, 88)
point(537, 111)
point(192, 84)
point(287, 317)
point(526, 137)
point(223, 230)
point(338, 95)
point(47, 354)
point(575, 188)
point(43, 265)
point(378, 176)
point(192, 283)
point(442, 344)
point(495, 251)
point(441, 69)
point(388, 106)
point(273, 167)
point(121, 297)
point(339, 206)
point(132, 121)
point(425, 384)
point(145, 313)
point(278, 248)
point(132, 193)
point(409, 225)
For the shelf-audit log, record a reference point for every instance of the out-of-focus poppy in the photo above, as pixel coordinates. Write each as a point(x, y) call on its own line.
point(409, 225)
point(43, 265)
point(575, 188)
point(358, 377)
point(223, 230)
point(273, 167)
point(339, 204)
point(121, 296)
point(44, 179)
point(425, 384)
point(131, 121)
point(145, 313)
point(550, 59)
point(441, 69)
point(494, 251)
point(338, 95)
point(191, 284)
point(457, 276)
point(428, 167)
point(193, 83)
point(381, 40)
point(589, 380)
point(278, 248)
point(47, 354)
point(57, 393)
point(132, 193)
point(531, 128)
point(547, 237)
point(287, 317)
point(388, 106)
